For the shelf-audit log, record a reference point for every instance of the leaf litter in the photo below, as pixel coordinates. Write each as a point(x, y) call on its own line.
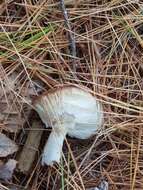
point(7, 169)
point(7, 146)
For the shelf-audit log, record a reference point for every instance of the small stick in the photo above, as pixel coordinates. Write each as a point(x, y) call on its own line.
point(72, 43)
point(30, 148)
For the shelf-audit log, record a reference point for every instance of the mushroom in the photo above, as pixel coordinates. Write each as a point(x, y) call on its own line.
point(68, 110)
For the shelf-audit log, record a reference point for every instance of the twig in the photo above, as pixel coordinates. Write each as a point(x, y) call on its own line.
point(72, 43)
point(30, 148)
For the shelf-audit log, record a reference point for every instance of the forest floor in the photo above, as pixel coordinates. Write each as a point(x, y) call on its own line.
point(36, 55)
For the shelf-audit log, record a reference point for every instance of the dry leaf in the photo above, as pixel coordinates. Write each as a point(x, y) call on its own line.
point(12, 109)
point(7, 146)
point(6, 170)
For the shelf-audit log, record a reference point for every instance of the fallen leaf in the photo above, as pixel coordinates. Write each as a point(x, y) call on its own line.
point(13, 110)
point(7, 146)
point(6, 170)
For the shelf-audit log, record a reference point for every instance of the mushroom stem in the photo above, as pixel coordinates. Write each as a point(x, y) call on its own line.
point(53, 148)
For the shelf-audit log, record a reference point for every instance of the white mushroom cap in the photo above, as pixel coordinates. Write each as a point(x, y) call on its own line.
point(70, 110)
